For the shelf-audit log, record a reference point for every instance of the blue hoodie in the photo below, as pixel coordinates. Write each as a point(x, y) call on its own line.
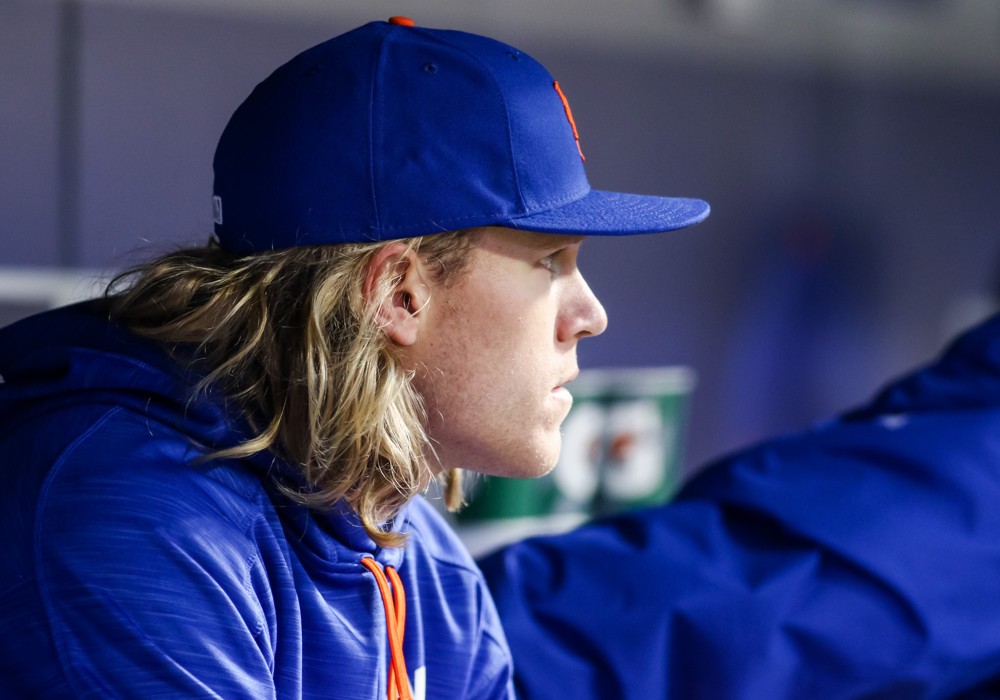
point(858, 559)
point(128, 570)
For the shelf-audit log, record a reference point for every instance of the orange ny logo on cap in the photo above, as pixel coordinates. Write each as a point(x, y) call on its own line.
point(569, 116)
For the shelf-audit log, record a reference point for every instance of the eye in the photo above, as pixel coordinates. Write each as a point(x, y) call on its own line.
point(551, 263)
point(560, 261)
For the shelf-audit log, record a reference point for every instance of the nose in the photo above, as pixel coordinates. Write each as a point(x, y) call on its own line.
point(582, 314)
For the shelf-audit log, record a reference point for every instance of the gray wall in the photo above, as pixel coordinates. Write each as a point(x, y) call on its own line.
point(853, 218)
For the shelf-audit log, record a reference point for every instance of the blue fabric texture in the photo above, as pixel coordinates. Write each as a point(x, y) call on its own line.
point(130, 571)
point(858, 559)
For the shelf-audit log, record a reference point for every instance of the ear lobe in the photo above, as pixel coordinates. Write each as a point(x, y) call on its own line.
point(394, 282)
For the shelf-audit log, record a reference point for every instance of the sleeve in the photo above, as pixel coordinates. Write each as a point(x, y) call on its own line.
point(151, 587)
point(859, 560)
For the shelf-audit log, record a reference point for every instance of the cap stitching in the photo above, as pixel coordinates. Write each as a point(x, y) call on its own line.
point(374, 132)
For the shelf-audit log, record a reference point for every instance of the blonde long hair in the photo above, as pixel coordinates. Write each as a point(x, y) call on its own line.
point(290, 337)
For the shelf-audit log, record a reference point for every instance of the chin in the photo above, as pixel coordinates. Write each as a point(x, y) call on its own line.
point(515, 467)
point(527, 460)
point(534, 464)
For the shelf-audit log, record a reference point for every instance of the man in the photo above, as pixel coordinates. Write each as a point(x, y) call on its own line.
point(212, 476)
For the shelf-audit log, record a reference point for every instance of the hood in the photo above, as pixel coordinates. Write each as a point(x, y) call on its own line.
point(74, 356)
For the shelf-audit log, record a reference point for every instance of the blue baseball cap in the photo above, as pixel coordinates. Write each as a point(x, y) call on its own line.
point(393, 130)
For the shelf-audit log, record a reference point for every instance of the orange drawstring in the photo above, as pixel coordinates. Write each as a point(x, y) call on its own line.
point(395, 619)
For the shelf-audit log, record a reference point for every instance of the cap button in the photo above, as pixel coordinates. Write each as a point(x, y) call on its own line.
point(401, 21)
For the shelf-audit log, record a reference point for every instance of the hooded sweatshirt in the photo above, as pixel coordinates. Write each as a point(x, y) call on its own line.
point(131, 569)
point(857, 559)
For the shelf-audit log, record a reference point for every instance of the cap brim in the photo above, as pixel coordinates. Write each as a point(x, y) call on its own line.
point(602, 213)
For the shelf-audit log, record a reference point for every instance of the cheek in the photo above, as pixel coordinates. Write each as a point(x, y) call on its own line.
point(471, 374)
point(489, 409)
point(486, 379)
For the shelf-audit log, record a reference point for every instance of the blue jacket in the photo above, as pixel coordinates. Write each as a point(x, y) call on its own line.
point(858, 559)
point(129, 571)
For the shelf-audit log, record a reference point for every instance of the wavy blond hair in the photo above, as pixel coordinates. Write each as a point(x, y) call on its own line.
point(291, 338)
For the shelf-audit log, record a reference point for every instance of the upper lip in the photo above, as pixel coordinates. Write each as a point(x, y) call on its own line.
point(570, 377)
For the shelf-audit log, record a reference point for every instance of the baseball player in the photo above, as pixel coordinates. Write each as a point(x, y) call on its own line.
point(214, 474)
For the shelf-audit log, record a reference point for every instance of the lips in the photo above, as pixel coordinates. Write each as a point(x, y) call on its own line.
point(561, 391)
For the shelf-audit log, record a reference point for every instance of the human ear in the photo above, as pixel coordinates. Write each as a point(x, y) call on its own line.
point(395, 283)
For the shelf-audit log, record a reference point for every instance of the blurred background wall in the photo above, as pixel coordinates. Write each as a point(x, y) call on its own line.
point(850, 150)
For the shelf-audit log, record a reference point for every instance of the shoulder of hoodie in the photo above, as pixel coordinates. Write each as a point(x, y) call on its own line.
point(128, 461)
point(123, 493)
